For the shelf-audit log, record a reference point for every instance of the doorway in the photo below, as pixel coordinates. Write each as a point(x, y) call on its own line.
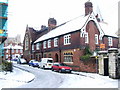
point(106, 70)
point(56, 57)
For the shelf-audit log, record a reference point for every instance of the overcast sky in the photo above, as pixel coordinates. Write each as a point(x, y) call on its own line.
point(37, 12)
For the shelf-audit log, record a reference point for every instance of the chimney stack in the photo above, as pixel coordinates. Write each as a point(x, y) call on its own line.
point(88, 8)
point(52, 23)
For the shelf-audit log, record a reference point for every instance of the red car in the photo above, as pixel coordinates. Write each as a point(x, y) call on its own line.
point(61, 67)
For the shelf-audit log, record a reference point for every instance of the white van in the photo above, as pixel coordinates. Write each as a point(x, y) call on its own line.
point(46, 63)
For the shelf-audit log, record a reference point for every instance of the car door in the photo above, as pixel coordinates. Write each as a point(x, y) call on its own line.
point(57, 67)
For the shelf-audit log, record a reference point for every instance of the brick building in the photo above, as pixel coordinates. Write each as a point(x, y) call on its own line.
point(67, 42)
point(12, 51)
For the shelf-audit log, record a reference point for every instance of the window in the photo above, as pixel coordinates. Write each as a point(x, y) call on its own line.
point(55, 42)
point(49, 43)
point(16, 50)
point(96, 39)
point(12, 50)
point(44, 44)
point(21, 51)
point(26, 42)
point(33, 47)
point(68, 57)
point(67, 39)
point(6, 56)
point(44, 55)
point(6, 50)
point(37, 46)
point(110, 43)
point(86, 38)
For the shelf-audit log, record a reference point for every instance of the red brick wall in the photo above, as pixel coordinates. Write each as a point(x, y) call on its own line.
point(115, 42)
point(92, 30)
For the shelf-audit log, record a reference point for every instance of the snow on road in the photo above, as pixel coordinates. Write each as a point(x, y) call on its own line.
point(86, 81)
point(83, 80)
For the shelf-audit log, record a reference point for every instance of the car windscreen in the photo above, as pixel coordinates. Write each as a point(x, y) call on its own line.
point(62, 64)
point(50, 61)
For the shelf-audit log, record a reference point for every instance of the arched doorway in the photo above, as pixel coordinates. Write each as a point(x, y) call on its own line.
point(56, 57)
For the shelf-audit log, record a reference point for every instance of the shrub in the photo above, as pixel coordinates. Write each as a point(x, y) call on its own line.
point(85, 57)
point(7, 66)
point(87, 54)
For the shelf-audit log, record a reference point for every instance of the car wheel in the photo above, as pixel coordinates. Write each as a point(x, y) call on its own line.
point(60, 71)
point(52, 69)
point(43, 67)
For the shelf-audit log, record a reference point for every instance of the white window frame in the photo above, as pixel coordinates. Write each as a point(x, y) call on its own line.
point(6, 56)
point(6, 50)
point(55, 42)
point(21, 51)
point(86, 38)
point(16, 50)
point(12, 50)
point(96, 38)
point(44, 44)
point(49, 43)
point(67, 39)
point(37, 46)
point(110, 41)
point(33, 47)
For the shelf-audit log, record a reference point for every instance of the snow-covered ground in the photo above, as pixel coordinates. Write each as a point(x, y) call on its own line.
point(82, 80)
point(14, 79)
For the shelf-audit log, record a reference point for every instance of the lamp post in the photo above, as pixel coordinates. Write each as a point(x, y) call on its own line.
point(10, 53)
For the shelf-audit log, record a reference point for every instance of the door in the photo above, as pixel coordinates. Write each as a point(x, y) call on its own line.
point(106, 69)
point(56, 57)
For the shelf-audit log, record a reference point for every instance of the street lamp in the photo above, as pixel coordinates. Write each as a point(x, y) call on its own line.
point(10, 52)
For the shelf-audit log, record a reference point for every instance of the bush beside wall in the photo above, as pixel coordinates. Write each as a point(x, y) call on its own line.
point(7, 66)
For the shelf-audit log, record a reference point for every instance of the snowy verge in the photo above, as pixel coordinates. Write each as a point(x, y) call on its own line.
point(16, 78)
point(17, 75)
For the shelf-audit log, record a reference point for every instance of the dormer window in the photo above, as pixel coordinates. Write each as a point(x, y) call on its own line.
point(67, 39)
point(55, 42)
point(49, 43)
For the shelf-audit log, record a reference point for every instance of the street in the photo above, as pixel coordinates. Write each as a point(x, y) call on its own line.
point(43, 78)
point(50, 79)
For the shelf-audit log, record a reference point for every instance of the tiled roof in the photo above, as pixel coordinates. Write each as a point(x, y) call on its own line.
point(78, 23)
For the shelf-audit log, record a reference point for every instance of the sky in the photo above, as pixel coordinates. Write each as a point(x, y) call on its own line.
point(35, 13)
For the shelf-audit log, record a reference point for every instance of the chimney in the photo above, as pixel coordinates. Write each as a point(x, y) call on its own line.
point(51, 23)
point(88, 8)
point(43, 26)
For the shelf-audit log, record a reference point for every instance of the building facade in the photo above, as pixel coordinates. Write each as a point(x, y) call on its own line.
point(66, 43)
point(3, 25)
point(12, 51)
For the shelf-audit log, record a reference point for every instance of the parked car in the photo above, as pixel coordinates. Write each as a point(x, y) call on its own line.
point(46, 63)
point(33, 63)
point(15, 59)
point(21, 61)
point(61, 67)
